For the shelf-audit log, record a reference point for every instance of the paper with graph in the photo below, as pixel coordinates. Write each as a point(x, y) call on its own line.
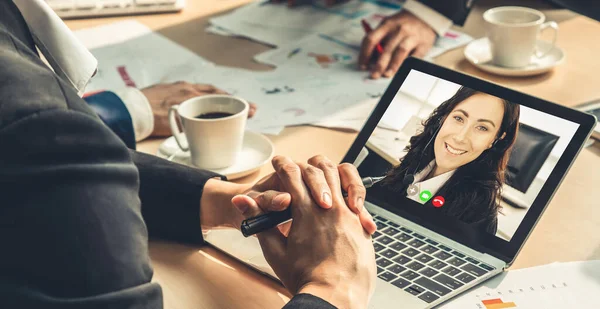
point(554, 286)
point(316, 80)
point(287, 96)
point(277, 24)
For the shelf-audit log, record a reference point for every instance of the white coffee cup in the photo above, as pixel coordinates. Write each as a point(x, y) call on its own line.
point(513, 33)
point(213, 142)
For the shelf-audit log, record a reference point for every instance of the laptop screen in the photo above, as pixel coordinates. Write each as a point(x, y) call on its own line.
point(462, 155)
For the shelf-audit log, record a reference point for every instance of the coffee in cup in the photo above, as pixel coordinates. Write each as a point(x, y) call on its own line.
point(213, 115)
point(513, 33)
point(214, 127)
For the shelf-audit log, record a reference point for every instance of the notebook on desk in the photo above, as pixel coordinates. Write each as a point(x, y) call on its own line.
point(439, 212)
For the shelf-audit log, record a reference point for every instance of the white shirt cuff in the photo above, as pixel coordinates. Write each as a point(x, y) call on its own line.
point(438, 22)
point(140, 111)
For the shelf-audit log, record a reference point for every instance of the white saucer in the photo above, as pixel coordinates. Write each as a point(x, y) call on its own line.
point(257, 150)
point(478, 53)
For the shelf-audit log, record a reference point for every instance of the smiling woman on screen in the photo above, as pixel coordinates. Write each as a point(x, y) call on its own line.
point(461, 155)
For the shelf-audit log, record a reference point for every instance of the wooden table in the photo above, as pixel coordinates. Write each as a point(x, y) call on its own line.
point(202, 277)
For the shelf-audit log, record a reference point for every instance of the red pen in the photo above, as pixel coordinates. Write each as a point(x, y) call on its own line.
point(368, 29)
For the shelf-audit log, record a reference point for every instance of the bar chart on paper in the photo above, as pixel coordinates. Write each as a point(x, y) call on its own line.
point(497, 303)
point(554, 295)
point(554, 286)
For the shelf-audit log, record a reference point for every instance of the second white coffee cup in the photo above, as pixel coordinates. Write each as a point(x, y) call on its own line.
point(513, 33)
point(214, 127)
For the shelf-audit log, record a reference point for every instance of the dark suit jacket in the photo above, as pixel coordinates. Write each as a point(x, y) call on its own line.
point(458, 10)
point(455, 10)
point(588, 8)
point(76, 206)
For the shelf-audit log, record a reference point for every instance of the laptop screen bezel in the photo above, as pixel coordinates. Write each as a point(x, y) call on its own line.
point(488, 243)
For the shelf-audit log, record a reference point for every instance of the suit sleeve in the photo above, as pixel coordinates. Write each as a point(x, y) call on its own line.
point(170, 194)
point(455, 10)
point(71, 224)
point(305, 301)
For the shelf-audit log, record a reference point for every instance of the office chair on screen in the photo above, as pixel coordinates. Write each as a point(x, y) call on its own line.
point(531, 150)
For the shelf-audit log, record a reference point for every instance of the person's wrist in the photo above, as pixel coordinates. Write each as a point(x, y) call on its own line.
point(343, 294)
point(437, 22)
point(216, 208)
point(140, 110)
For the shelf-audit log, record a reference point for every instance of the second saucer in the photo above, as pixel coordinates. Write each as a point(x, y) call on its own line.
point(479, 54)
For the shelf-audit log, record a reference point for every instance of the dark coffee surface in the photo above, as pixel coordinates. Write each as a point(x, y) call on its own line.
point(213, 115)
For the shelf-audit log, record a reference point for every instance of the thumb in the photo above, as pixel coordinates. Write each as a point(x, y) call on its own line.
point(246, 205)
point(255, 203)
point(271, 200)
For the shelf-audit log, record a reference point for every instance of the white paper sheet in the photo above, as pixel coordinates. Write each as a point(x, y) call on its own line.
point(260, 33)
point(351, 37)
point(276, 24)
point(130, 54)
point(219, 31)
point(350, 118)
point(310, 89)
point(110, 34)
point(554, 286)
point(322, 87)
point(312, 52)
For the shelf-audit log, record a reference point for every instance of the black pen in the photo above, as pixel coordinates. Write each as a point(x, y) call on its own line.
point(264, 222)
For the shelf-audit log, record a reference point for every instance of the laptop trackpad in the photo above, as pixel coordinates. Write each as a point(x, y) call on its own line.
point(389, 296)
point(245, 249)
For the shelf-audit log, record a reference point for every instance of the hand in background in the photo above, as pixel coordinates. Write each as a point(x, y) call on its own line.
point(163, 96)
point(328, 252)
point(401, 35)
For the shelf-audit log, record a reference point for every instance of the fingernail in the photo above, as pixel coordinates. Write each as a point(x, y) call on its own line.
point(327, 198)
point(374, 224)
point(360, 202)
point(375, 75)
point(279, 200)
point(389, 73)
point(373, 221)
point(240, 205)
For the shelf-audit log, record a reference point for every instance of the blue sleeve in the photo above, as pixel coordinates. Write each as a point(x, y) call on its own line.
point(113, 112)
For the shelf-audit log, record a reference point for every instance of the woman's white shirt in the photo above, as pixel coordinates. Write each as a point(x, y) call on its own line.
point(432, 184)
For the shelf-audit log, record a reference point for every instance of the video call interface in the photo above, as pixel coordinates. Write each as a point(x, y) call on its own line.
point(463, 154)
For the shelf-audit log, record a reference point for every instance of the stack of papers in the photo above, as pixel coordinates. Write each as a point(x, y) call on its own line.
point(277, 24)
point(315, 80)
point(319, 45)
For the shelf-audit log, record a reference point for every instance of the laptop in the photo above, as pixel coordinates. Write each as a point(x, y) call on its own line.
point(443, 223)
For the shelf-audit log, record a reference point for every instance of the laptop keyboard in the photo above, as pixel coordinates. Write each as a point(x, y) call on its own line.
point(419, 265)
